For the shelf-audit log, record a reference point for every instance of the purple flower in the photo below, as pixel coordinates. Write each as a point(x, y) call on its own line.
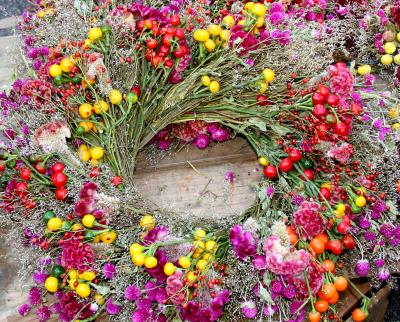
point(35, 296)
point(369, 235)
point(24, 309)
point(249, 309)
point(362, 268)
point(277, 286)
point(156, 234)
point(387, 230)
point(43, 313)
point(289, 292)
point(39, 277)
point(109, 271)
point(383, 274)
point(364, 223)
point(132, 293)
point(243, 242)
point(230, 176)
point(202, 141)
point(379, 262)
point(220, 135)
point(259, 262)
point(112, 308)
point(140, 316)
point(270, 191)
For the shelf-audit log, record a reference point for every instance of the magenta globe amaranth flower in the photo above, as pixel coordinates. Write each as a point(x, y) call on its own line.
point(202, 141)
point(243, 242)
point(362, 267)
point(249, 309)
point(132, 293)
point(109, 271)
point(383, 274)
point(112, 308)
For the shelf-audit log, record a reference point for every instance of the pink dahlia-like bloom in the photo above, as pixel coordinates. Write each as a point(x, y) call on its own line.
point(76, 254)
point(308, 221)
point(342, 80)
point(280, 260)
point(176, 288)
point(315, 279)
point(341, 153)
point(243, 242)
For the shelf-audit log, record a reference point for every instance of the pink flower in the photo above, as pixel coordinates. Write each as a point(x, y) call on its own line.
point(308, 221)
point(176, 289)
point(342, 80)
point(341, 153)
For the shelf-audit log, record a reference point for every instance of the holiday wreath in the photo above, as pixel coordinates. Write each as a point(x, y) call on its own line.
point(100, 80)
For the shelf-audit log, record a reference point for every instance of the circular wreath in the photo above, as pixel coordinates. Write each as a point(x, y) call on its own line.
point(101, 81)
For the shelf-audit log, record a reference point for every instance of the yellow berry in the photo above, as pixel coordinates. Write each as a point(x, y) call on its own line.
point(135, 249)
point(109, 237)
point(201, 264)
point(229, 21)
point(269, 75)
point(115, 97)
point(214, 87)
point(390, 48)
point(41, 14)
point(201, 35)
point(169, 269)
point(191, 277)
point(249, 5)
point(341, 208)
point(184, 262)
point(97, 153)
point(210, 45)
point(396, 126)
point(199, 234)
point(393, 113)
point(225, 35)
point(196, 255)
point(88, 220)
point(138, 259)
point(84, 155)
point(87, 276)
point(73, 274)
point(54, 224)
point(241, 22)
point(66, 65)
point(76, 227)
point(260, 22)
point(100, 107)
point(51, 284)
point(263, 161)
point(364, 70)
point(214, 30)
point(99, 299)
point(338, 214)
point(87, 126)
point(259, 9)
point(199, 245)
point(205, 80)
point(211, 246)
point(95, 33)
point(147, 222)
point(85, 110)
point(150, 262)
point(55, 70)
point(361, 201)
point(208, 257)
point(83, 290)
point(386, 59)
point(71, 284)
point(396, 59)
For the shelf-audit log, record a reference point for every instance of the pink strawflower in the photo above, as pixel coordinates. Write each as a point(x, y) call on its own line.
point(176, 288)
point(341, 153)
point(342, 80)
point(308, 221)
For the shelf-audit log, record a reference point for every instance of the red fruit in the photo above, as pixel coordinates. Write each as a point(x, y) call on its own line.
point(167, 39)
point(331, 119)
point(179, 53)
point(140, 25)
point(356, 108)
point(322, 131)
point(270, 172)
point(151, 43)
point(325, 192)
point(59, 179)
point(179, 33)
point(61, 193)
point(309, 174)
point(30, 204)
point(349, 242)
point(2, 167)
point(286, 165)
point(95, 172)
point(136, 90)
point(333, 100)
point(116, 181)
point(157, 60)
point(319, 110)
point(25, 174)
point(262, 100)
point(343, 228)
point(324, 90)
point(295, 155)
point(21, 187)
point(168, 62)
point(318, 98)
point(341, 129)
point(175, 20)
point(335, 246)
point(57, 167)
point(148, 23)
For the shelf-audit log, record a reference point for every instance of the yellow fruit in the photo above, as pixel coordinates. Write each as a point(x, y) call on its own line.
point(135, 249)
point(229, 21)
point(208, 257)
point(393, 113)
point(338, 214)
point(109, 237)
point(249, 5)
point(199, 234)
point(138, 259)
point(147, 222)
point(55, 70)
point(214, 87)
point(41, 14)
point(51, 284)
point(396, 59)
point(390, 48)
point(196, 255)
point(88, 220)
point(87, 276)
point(241, 22)
point(269, 75)
point(261, 87)
point(100, 107)
point(201, 264)
point(211, 246)
point(115, 97)
point(205, 80)
point(66, 65)
point(259, 9)
point(94, 163)
point(76, 227)
point(95, 33)
point(201, 35)
point(85, 110)
point(87, 126)
point(260, 22)
point(214, 30)
point(54, 224)
point(150, 262)
point(169, 269)
point(396, 126)
point(360, 201)
point(184, 262)
point(73, 274)
point(327, 185)
point(191, 277)
point(83, 290)
point(99, 299)
point(341, 208)
point(71, 284)
point(386, 59)
point(84, 155)
point(210, 45)
point(200, 246)
point(263, 161)
point(96, 239)
point(97, 153)
point(398, 37)
point(225, 35)
point(364, 70)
